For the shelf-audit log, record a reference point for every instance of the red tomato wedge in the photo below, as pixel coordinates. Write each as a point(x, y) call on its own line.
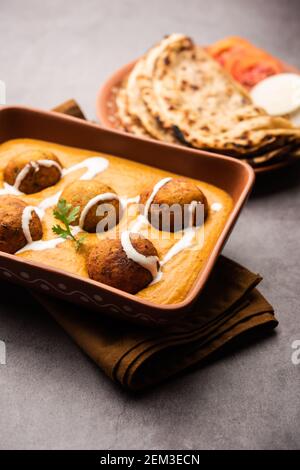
point(222, 50)
point(250, 69)
point(245, 62)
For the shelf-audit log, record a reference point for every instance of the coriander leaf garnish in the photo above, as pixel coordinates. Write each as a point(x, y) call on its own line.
point(67, 214)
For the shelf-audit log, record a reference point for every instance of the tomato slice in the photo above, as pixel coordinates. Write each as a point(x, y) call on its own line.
point(247, 63)
point(249, 70)
point(223, 50)
point(226, 44)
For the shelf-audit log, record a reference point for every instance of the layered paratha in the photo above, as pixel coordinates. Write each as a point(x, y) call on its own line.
point(178, 92)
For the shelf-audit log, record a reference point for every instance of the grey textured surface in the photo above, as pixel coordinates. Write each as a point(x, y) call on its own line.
point(51, 395)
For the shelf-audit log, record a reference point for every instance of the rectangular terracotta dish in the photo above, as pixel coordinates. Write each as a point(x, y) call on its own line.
point(231, 175)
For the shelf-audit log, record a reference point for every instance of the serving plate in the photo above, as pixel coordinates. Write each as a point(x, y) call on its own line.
point(231, 175)
point(106, 112)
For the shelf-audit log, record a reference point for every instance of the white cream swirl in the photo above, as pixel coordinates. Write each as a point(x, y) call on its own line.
point(99, 198)
point(150, 263)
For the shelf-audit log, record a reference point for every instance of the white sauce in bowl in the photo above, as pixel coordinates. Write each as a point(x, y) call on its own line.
point(279, 94)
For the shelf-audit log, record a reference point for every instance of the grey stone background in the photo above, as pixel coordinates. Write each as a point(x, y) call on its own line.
point(51, 395)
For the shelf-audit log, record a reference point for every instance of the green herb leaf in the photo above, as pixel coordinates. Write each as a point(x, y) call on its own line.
point(80, 241)
point(66, 213)
point(60, 231)
point(73, 214)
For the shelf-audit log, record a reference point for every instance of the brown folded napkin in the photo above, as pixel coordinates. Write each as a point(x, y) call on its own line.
point(138, 357)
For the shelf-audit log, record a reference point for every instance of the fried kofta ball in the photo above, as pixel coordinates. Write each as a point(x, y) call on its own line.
point(32, 171)
point(89, 195)
point(110, 264)
point(14, 231)
point(175, 205)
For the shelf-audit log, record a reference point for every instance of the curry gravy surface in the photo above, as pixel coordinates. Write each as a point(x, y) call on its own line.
point(128, 179)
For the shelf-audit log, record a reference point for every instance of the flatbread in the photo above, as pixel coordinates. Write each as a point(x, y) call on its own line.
point(189, 90)
point(271, 157)
point(178, 93)
point(137, 108)
point(128, 122)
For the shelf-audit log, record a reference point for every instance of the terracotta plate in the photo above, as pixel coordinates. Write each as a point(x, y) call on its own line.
point(106, 112)
point(234, 177)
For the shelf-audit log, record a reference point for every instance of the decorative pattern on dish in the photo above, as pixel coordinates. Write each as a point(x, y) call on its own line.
point(46, 286)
